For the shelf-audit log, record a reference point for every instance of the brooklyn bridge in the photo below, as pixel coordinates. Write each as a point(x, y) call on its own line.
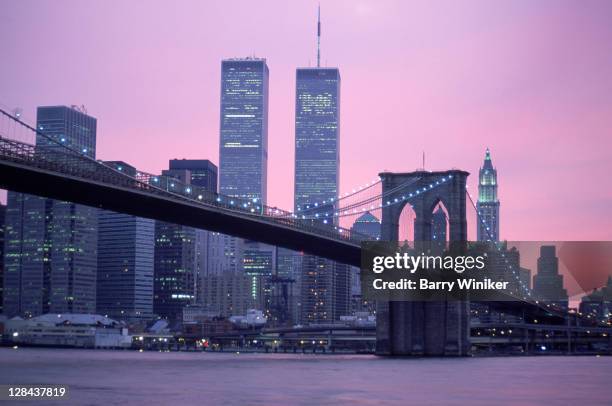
point(32, 162)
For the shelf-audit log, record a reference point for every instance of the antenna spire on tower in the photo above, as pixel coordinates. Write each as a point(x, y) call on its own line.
point(319, 37)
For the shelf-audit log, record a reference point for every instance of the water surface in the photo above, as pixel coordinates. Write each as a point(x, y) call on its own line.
point(98, 377)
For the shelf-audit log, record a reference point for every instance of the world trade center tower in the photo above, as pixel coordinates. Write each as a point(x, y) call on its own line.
point(325, 285)
point(243, 153)
point(317, 136)
point(243, 166)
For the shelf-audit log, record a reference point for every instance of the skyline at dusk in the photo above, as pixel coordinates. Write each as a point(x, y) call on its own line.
point(529, 81)
point(272, 202)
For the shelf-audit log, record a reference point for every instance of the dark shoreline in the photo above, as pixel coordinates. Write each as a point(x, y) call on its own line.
point(480, 354)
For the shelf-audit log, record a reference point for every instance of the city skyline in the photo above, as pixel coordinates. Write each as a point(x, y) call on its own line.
point(233, 196)
point(520, 110)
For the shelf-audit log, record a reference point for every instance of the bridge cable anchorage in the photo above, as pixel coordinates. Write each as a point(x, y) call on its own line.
point(529, 299)
point(52, 154)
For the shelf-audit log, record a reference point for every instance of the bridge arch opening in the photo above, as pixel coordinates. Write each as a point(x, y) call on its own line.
point(407, 220)
point(439, 223)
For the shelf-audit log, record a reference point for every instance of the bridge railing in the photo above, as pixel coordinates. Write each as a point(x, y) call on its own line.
point(54, 156)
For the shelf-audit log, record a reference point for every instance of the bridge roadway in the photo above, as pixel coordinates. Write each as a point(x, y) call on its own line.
point(74, 178)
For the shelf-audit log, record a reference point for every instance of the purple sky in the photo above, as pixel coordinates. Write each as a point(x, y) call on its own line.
point(531, 80)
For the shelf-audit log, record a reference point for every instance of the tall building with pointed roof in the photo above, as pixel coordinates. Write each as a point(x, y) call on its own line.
point(488, 203)
point(367, 225)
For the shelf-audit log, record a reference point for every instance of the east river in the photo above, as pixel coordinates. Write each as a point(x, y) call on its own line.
point(97, 377)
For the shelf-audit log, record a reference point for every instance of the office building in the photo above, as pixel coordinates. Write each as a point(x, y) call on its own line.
point(258, 263)
point(488, 203)
point(203, 172)
point(367, 225)
point(317, 136)
point(243, 160)
point(286, 287)
point(243, 148)
point(51, 245)
point(598, 303)
point(325, 285)
point(548, 283)
point(325, 290)
point(125, 262)
point(174, 270)
point(181, 251)
point(228, 293)
point(223, 254)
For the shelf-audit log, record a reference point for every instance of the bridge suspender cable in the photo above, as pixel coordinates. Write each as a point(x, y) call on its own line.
point(529, 299)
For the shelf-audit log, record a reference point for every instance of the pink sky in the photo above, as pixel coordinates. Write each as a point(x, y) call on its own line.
point(531, 80)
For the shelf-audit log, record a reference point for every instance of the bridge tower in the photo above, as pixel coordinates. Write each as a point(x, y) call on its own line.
point(424, 328)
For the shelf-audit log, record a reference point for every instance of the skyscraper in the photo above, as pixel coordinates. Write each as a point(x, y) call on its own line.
point(488, 204)
point(223, 254)
point(175, 262)
point(317, 133)
point(325, 285)
point(368, 225)
point(243, 147)
point(203, 172)
point(51, 244)
point(285, 288)
point(125, 262)
point(258, 263)
point(243, 160)
point(228, 293)
point(180, 251)
point(598, 303)
point(317, 136)
point(548, 282)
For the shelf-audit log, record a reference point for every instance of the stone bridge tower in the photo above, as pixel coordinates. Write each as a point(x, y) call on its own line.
point(424, 328)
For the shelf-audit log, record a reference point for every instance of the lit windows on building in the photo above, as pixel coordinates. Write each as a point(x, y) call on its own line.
point(317, 135)
point(244, 128)
point(488, 203)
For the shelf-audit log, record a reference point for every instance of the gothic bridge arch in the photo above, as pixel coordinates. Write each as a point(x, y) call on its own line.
point(424, 328)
